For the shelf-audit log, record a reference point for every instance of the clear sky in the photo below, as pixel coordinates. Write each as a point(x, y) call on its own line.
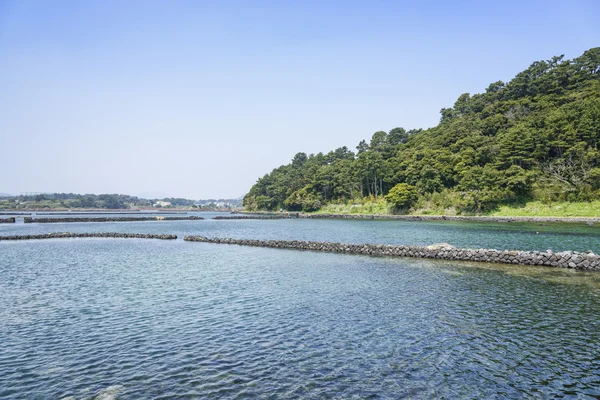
point(199, 99)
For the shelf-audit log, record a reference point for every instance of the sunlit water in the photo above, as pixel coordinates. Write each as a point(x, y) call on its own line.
point(132, 318)
point(512, 236)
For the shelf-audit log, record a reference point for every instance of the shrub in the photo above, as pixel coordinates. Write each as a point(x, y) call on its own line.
point(402, 195)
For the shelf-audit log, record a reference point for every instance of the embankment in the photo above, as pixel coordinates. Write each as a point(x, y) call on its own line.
point(7, 220)
point(564, 259)
point(478, 218)
point(29, 220)
point(61, 235)
point(585, 220)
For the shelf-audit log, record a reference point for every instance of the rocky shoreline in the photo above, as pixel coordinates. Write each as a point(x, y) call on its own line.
point(564, 259)
point(585, 220)
point(7, 220)
point(30, 220)
point(60, 235)
point(481, 218)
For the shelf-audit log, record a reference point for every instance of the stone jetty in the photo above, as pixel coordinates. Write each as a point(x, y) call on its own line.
point(60, 235)
point(7, 220)
point(444, 251)
point(30, 220)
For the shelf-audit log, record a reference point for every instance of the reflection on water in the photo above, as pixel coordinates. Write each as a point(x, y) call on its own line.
point(538, 273)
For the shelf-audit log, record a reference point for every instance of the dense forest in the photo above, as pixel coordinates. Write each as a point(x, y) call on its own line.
point(535, 137)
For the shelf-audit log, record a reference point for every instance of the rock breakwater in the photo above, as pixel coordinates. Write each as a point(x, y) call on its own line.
point(284, 216)
point(30, 220)
point(564, 259)
point(7, 220)
point(57, 235)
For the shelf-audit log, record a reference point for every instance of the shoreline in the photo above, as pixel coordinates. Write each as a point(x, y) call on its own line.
point(477, 218)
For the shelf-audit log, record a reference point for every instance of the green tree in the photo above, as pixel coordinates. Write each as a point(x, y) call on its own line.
point(303, 200)
point(402, 195)
point(535, 136)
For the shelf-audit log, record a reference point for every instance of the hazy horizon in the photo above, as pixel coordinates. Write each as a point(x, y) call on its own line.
point(199, 100)
point(148, 196)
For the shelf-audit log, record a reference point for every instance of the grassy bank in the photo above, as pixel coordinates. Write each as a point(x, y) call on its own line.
point(529, 209)
point(371, 207)
point(539, 209)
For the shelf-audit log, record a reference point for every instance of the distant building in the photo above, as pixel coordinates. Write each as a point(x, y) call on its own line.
point(162, 204)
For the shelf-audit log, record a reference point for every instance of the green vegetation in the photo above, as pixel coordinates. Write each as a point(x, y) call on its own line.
point(71, 200)
point(104, 201)
point(534, 138)
point(530, 208)
point(539, 209)
point(367, 206)
point(402, 196)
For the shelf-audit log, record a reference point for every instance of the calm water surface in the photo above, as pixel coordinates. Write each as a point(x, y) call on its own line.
point(519, 236)
point(131, 319)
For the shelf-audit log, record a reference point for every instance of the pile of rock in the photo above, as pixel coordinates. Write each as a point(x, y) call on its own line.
point(7, 220)
point(57, 235)
point(444, 251)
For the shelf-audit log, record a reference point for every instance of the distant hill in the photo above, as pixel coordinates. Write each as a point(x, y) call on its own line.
point(535, 137)
point(108, 201)
point(6, 195)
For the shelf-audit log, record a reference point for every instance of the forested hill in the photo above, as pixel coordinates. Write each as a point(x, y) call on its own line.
point(535, 137)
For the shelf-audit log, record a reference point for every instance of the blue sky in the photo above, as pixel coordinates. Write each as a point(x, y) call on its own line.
point(199, 99)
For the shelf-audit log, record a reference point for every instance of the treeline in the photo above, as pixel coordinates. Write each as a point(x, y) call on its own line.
point(105, 201)
point(73, 200)
point(535, 137)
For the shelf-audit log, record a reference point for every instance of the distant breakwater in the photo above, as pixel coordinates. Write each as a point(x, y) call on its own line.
point(30, 220)
point(7, 220)
point(138, 212)
point(14, 213)
point(284, 216)
point(61, 235)
point(564, 259)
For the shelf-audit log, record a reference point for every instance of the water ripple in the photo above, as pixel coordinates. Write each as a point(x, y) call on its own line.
point(93, 319)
